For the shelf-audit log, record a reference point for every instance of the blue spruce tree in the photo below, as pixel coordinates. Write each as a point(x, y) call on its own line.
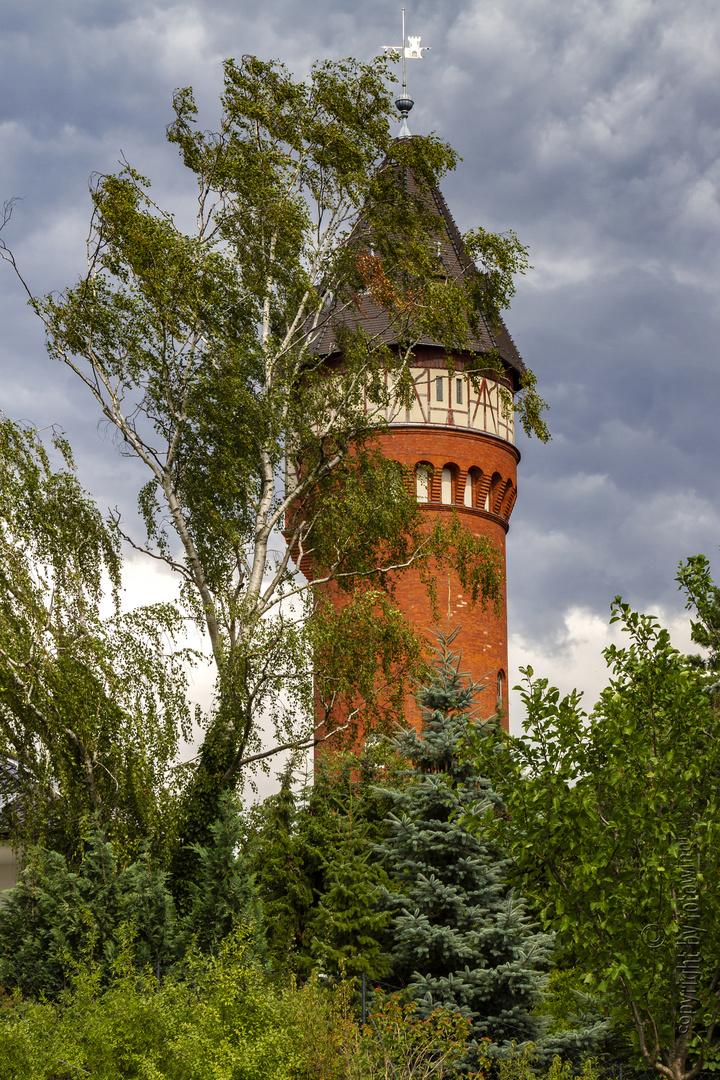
point(460, 936)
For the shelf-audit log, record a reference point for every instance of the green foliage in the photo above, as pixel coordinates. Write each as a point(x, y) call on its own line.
point(91, 708)
point(223, 895)
point(703, 597)
point(57, 919)
point(400, 1044)
point(578, 1021)
point(217, 1020)
point(198, 347)
point(346, 927)
point(475, 559)
point(460, 937)
point(284, 866)
point(315, 869)
point(613, 821)
point(526, 1065)
point(564, 996)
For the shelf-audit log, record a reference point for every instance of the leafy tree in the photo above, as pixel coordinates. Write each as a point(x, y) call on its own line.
point(200, 348)
point(461, 938)
point(91, 708)
point(613, 820)
point(703, 597)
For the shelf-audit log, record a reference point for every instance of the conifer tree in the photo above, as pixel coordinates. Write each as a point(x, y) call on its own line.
point(347, 926)
point(56, 918)
point(317, 872)
point(461, 938)
point(282, 865)
point(223, 896)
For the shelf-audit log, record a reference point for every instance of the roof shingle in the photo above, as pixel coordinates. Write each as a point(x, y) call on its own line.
point(457, 264)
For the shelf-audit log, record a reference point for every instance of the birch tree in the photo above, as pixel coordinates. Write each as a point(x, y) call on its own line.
point(199, 346)
point(92, 708)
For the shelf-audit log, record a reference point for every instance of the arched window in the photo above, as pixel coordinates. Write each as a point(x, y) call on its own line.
point(447, 485)
point(495, 493)
point(422, 483)
point(472, 486)
point(500, 697)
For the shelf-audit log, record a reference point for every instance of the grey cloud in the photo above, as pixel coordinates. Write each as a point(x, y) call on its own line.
point(592, 129)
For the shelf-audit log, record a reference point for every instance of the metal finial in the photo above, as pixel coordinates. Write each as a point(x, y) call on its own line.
point(412, 51)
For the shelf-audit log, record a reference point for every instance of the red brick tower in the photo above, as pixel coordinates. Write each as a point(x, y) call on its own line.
point(459, 443)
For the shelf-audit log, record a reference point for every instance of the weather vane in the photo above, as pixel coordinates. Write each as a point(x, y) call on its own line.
point(412, 51)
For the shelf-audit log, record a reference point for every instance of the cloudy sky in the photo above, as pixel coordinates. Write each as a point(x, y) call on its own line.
point(591, 128)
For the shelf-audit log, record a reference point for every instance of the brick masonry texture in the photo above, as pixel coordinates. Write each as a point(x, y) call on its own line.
point(483, 631)
point(482, 639)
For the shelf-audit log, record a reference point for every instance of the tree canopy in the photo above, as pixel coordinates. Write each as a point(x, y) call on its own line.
point(92, 708)
point(196, 340)
point(612, 819)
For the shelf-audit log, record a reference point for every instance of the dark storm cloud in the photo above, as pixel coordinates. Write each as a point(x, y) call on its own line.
point(595, 135)
point(592, 129)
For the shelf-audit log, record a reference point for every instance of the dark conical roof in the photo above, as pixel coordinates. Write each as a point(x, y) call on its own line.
point(458, 264)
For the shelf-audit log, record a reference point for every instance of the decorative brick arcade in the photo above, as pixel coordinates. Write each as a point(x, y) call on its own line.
point(467, 470)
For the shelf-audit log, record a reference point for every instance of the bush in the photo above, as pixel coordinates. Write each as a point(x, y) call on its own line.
point(219, 1019)
point(398, 1044)
point(526, 1065)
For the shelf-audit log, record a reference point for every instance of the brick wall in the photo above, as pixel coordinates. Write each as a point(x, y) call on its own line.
point(492, 463)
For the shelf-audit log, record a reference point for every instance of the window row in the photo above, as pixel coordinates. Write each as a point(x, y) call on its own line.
point(444, 389)
point(475, 488)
